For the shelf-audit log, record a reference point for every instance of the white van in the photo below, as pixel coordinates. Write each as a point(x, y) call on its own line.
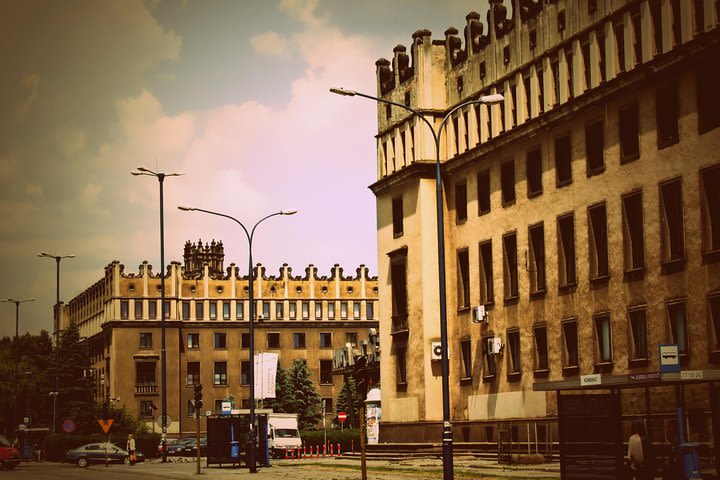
point(283, 433)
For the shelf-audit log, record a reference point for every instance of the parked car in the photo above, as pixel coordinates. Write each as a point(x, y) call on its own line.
point(96, 452)
point(190, 448)
point(169, 444)
point(178, 448)
point(9, 455)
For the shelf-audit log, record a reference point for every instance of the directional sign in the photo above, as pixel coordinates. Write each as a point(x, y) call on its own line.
point(669, 358)
point(105, 424)
point(68, 426)
point(342, 416)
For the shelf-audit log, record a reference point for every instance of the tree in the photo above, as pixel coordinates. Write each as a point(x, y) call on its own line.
point(75, 400)
point(348, 401)
point(283, 392)
point(303, 398)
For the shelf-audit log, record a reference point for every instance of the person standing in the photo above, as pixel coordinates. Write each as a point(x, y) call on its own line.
point(131, 449)
point(635, 452)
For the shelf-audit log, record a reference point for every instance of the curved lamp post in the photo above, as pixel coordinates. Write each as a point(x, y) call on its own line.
point(56, 314)
point(163, 361)
point(17, 341)
point(490, 100)
point(252, 434)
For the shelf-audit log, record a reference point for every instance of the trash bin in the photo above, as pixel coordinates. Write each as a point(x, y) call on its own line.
point(690, 463)
point(234, 449)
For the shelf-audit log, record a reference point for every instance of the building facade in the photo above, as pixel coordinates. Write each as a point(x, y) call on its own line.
point(207, 341)
point(582, 212)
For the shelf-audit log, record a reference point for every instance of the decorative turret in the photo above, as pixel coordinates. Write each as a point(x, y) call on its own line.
point(196, 256)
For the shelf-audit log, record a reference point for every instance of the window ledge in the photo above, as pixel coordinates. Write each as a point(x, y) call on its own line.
point(514, 376)
point(672, 266)
point(538, 294)
point(401, 386)
point(461, 221)
point(541, 373)
point(603, 367)
point(684, 358)
point(634, 274)
point(638, 362)
point(511, 300)
point(397, 234)
point(571, 370)
point(714, 356)
point(600, 281)
point(483, 212)
point(488, 378)
point(711, 256)
point(596, 171)
point(563, 183)
point(567, 288)
point(668, 142)
point(629, 158)
point(464, 309)
point(509, 203)
point(465, 380)
point(535, 193)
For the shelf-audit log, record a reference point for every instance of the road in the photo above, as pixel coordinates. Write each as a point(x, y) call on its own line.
point(321, 469)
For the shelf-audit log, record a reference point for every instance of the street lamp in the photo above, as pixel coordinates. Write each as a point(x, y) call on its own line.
point(252, 433)
point(17, 340)
point(163, 367)
point(490, 100)
point(56, 315)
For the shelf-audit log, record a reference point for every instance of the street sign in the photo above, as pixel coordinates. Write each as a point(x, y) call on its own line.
point(68, 426)
point(105, 424)
point(342, 416)
point(669, 358)
point(592, 379)
point(691, 375)
point(168, 421)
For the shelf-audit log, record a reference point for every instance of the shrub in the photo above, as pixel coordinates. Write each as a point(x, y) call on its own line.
point(347, 438)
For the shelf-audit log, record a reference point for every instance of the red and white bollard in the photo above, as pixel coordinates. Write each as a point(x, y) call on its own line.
point(286, 454)
point(324, 450)
point(331, 449)
point(338, 450)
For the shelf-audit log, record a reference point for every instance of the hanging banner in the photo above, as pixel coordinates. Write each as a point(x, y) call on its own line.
point(265, 371)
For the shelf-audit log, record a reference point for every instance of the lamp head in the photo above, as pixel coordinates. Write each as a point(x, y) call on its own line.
point(492, 99)
point(186, 209)
point(44, 254)
point(343, 92)
point(288, 212)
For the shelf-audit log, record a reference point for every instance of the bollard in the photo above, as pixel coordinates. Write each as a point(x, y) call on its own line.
point(331, 449)
point(303, 454)
point(286, 453)
point(352, 444)
point(338, 450)
point(324, 450)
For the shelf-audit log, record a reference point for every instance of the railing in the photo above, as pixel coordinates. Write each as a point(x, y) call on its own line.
point(146, 389)
point(399, 325)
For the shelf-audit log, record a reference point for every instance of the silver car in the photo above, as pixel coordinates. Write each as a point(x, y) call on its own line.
point(97, 452)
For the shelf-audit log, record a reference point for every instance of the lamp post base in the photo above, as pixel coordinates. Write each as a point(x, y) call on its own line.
point(447, 453)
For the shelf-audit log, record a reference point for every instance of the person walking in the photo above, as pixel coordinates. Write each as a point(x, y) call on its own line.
point(131, 449)
point(635, 452)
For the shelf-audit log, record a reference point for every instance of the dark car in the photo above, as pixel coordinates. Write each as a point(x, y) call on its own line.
point(169, 444)
point(96, 453)
point(190, 448)
point(178, 447)
point(9, 455)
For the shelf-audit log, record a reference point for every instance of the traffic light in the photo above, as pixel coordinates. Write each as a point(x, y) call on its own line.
point(361, 377)
point(198, 398)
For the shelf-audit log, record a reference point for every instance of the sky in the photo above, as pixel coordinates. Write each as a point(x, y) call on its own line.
point(232, 93)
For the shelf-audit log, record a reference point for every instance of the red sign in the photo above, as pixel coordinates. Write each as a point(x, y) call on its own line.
point(342, 416)
point(105, 424)
point(68, 426)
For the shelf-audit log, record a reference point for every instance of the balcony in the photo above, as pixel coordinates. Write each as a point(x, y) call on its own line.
point(399, 326)
point(142, 390)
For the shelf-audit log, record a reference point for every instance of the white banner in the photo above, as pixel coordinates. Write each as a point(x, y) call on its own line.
point(265, 371)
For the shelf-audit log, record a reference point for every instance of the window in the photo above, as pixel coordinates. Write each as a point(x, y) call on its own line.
point(298, 340)
point(633, 247)
point(483, 183)
point(138, 309)
point(124, 309)
point(190, 409)
point(213, 310)
point(541, 348)
point(637, 37)
point(555, 68)
point(713, 307)
point(220, 373)
point(369, 310)
point(326, 377)
point(245, 340)
point(291, 312)
point(539, 71)
point(398, 292)
point(594, 145)
point(466, 352)
point(343, 310)
point(325, 340)
point(461, 202)
point(265, 311)
point(456, 132)
point(193, 340)
point(708, 96)
point(666, 111)
point(655, 16)
point(513, 104)
point(278, 310)
point(566, 250)
point(526, 86)
point(401, 371)
point(351, 338)
point(619, 29)
point(331, 310)
point(226, 310)
point(629, 132)
point(240, 310)
point(510, 272)
point(328, 405)
point(193, 373)
point(536, 234)
point(569, 63)
point(570, 341)
point(534, 173)
point(678, 327)
point(220, 340)
point(514, 357)
point(305, 310)
point(152, 309)
point(318, 310)
point(397, 216)
point(600, 35)
point(672, 231)
point(501, 108)
point(585, 51)
point(710, 208)
point(244, 373)
point(218, 406)
point(146, 340)
point(488, 360)
point(603, 339)
point(167, 310)
point(145, 373)
point(637, 317)
point(186, 310)
point(463, 279)
point(199, 310)
point(273, 340)
point(356, 310)
point(507, 180)
point(598, 241)
point(563, 161)
point(146, 408)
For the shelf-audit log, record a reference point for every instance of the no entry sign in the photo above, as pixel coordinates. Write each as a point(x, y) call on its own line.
point(342, 416)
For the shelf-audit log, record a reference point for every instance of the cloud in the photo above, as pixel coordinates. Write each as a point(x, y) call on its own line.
point(270, 44)
point(303, 11)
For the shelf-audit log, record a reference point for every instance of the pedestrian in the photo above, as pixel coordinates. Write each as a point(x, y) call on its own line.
point(131, 449)
point(38, 452)
point(635, 452)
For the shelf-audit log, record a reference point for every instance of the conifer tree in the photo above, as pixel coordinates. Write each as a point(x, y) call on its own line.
point(348, 401)
point(75, 400)
point(304, 399)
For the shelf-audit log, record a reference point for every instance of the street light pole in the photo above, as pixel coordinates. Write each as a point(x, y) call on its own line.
point(252, 434)
point(17, 341)
point(163, 359)
point(448, 473)
point(56, 315)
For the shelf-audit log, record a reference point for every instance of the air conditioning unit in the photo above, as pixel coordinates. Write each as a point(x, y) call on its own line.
point(479, 314)
point(436, 352)
point(494, 345)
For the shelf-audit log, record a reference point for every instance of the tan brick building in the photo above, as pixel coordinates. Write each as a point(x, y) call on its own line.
point(583, 212)
point(299, 317)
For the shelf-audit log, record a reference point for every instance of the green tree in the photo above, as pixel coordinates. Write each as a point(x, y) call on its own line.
point(348, 401)
point(75, 400)
point(304, 398)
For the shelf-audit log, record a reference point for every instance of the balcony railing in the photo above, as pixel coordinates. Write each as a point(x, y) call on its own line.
point(399, 325)
point(146, 389)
